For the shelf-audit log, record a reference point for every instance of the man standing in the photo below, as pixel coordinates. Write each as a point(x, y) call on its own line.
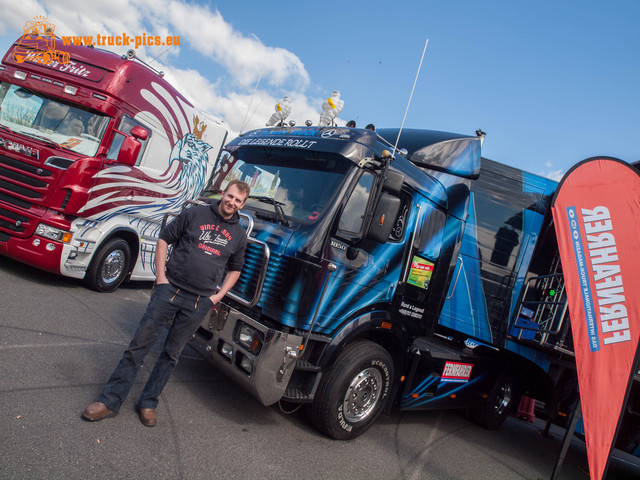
point(205, 239)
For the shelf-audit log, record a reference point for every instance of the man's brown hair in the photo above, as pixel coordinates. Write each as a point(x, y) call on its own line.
point(240, 185)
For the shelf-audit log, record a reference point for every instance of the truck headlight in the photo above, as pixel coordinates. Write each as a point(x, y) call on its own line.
point(249, 338)
point(225, 350)
point(245, 363)
point(53, 233)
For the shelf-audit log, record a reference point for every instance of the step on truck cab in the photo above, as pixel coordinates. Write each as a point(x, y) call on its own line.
point(95, 148)
point(376, 277)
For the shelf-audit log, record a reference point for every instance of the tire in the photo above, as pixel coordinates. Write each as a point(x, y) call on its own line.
point(109, 266)
point(352, 394)
point(498, 405)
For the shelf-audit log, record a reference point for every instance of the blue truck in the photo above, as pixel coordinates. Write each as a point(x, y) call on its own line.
point(419, 277)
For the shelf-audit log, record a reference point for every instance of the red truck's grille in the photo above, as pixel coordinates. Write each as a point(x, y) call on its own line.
point(25, 180)
point(12, 221)
point(22, 186)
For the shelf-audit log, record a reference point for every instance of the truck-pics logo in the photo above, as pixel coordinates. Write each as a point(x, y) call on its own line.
point(38, 42)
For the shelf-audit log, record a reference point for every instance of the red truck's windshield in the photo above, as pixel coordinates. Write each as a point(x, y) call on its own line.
point(36, 115)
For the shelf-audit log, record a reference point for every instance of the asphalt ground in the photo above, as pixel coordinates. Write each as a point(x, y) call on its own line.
point(59, 342)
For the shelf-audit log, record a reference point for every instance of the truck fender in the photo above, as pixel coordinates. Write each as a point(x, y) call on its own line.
point(130, 236)
point(106, 270)
point(376, 326)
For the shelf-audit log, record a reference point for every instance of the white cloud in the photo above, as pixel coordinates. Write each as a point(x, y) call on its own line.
point(203, 30)
point(241, 111)
point(14, 14)
point(244, 58)
point(556, 174)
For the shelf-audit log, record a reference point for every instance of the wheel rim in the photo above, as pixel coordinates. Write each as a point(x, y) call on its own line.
point(362, 395)
point(503, 399)
point(112, 267)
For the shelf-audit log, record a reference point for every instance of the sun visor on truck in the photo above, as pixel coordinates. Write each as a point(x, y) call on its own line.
point(458, 156)
point(74, 68)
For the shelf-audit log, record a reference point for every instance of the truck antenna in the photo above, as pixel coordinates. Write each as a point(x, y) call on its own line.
point(410, 97)
point(245, 121)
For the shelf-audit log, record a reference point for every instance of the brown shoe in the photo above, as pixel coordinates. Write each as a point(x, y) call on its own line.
point(97, 411)
point(147, 416)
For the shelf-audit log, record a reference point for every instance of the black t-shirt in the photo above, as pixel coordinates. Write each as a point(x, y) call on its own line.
point(203, 243)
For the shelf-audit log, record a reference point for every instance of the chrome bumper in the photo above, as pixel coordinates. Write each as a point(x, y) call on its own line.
point(264, 373)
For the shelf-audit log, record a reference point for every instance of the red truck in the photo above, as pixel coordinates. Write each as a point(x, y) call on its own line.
point(93, 153)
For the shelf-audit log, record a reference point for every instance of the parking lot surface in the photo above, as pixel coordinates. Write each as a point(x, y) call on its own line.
point(59, 343)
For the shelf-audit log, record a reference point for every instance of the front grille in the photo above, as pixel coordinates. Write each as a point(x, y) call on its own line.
point(22, 182)
point(271, 292)
point(247, 284)
point(23, 185)
point(26, 167)
point(12, 221)
point(21, 178)
point(15, 201)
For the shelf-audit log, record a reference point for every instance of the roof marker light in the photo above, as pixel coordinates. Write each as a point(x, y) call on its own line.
point(20, 75)
point(70, 90)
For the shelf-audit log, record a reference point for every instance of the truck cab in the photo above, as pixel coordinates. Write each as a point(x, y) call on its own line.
point(351, 248)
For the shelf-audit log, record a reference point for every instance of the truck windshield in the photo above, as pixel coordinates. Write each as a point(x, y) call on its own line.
point(297, 184)
point(36, 115)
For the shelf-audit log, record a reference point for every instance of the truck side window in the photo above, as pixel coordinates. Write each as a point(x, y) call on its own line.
point(353, 215)
point(124, 129)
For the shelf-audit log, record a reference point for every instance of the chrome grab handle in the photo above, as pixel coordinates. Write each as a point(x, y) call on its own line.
point(331, 267)
point(250, 220)
point(266, 255)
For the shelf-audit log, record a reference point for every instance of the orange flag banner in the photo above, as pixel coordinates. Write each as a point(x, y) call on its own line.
point(596, 211)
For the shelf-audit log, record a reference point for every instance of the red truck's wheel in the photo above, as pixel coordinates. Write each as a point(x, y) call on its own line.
point(352, 394)
point(109, 266)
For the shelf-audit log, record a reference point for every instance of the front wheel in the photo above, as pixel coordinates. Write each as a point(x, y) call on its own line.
point(352, 394)
point(499, 403)
point(109, 266)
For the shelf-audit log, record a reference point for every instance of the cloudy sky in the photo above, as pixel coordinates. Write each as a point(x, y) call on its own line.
point(550, 82)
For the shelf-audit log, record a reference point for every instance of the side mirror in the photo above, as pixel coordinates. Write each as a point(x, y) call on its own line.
point(384, 218)
point(129, 151)
point(140, 133)
point(393, 183)
point(130, 148)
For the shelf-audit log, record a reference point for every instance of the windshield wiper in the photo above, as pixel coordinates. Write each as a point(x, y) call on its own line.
point(277, 206)
point(42, 138)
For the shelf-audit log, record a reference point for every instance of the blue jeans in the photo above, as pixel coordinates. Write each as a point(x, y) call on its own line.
point(171, 307)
